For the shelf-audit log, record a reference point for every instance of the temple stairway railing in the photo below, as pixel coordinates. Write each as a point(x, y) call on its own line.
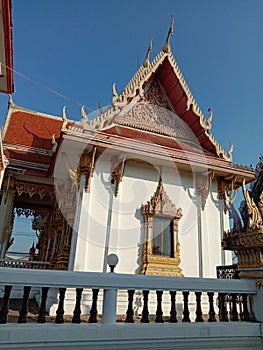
point(233, 319)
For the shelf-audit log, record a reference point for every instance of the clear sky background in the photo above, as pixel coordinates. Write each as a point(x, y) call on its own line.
point(81, 47)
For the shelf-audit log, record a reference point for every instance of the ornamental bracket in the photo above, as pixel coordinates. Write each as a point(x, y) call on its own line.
point(118, 164)
point(203, 184)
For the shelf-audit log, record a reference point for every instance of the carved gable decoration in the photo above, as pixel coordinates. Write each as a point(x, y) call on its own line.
point(161, 204)
point(152, 113)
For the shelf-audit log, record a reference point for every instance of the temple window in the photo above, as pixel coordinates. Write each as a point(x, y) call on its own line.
point(161, 247)
point(163, 236)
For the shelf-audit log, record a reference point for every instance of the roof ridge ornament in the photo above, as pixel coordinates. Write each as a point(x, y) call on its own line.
point(146, 62)
point(84, 117)
point(114, 93)
point(166, 47)
point(64, 119)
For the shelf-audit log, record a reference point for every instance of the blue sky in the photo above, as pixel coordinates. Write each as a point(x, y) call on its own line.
point(80, 48)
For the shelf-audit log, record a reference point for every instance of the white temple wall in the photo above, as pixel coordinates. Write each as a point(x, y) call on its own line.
point(110, 224)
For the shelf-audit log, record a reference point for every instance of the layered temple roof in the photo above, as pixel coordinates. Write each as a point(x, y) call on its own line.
point(155, 115)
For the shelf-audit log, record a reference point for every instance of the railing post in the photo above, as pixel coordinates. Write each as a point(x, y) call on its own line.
point(5, 307)
point(93, 311)
point(24, 309)
point(130, 313)
point(109, 306)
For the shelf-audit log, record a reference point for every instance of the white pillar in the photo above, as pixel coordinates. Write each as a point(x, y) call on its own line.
point(200, 239)
point(109, 306)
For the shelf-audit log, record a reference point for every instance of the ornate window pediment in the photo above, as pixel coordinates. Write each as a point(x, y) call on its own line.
point(161, 248)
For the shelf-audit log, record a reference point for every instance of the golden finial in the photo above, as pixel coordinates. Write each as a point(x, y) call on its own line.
point(166, 47)
point(64, 118)
point(146, 60)
point(114, 93)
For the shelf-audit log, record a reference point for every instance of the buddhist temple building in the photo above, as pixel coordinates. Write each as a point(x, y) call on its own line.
point(145, 179)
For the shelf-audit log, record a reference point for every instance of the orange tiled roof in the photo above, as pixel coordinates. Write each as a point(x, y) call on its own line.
point(28, 140)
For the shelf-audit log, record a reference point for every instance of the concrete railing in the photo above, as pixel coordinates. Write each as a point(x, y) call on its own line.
point(236, 324)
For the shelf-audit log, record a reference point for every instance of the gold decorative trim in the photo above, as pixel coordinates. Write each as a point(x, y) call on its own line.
point(87, 166)
point(160, 205)
point(227, 191)
point(32, 189)
point(136, 84)
point(118, 164)
point(203, 184)
point(254, 216)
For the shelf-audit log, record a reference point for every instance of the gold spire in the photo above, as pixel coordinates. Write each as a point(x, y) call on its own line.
point(166, 47)
point(146, 60)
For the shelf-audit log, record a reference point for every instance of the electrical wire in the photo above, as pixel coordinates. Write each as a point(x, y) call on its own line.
point(47, 88)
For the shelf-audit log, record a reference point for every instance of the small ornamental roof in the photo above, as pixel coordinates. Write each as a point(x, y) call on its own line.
point(28, 139)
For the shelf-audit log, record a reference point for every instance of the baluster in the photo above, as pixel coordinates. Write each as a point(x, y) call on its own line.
point(93, 311)
point(24, 309)
point(129, 312)
point(159, 312)
point(211, 307)
point(5, 307)
point(145, 312)
point(60, 310)
point(173, 318)
point(77, 310)
point(42, 310)
point(245, 314)
point(199, 317)
point(223, 314)
point(186, 312)
point(233, 308)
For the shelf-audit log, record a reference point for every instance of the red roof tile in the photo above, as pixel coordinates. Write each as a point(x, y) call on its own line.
point(32, 130)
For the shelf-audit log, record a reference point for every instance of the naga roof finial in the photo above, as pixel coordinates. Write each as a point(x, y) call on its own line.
point(166, 47)
point(146, 60)
point(83, 116)
point(64, 118)
point(114, 93)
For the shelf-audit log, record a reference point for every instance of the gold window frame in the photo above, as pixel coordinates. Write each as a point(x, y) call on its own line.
point(160, 205)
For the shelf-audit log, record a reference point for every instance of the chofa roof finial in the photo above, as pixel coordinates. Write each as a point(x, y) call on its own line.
point(84, 117)
point(64, 119)
point(166, 47)
point(114, 93)
point(146, 60)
